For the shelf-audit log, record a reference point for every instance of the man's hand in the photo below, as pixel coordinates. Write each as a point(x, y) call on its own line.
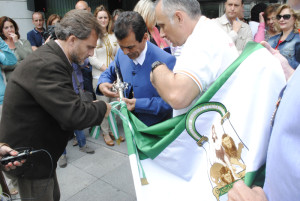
point(241, 192)
point(105, 88)
point(287, 69)
point(130, 103)
point(7, 150)
point(48, 39)
point(108, 106)
point(236, 26)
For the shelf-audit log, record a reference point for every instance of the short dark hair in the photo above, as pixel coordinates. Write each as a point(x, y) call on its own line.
point(8, 19)
point(130, 21)
point(258, 8)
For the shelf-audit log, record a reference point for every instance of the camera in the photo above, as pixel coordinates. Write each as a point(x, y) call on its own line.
point(50, 32)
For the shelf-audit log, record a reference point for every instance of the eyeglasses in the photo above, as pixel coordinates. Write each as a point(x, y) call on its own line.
point(285, 17)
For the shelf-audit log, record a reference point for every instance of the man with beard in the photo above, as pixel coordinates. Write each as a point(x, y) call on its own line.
point(41, 109)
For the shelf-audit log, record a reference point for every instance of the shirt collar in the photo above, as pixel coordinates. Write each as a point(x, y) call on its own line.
point(140, 60)
point(62, 50)
point(36, 31)
point(224, 19)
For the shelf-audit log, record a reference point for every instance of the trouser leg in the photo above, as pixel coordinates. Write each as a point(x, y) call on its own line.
point(80, 136)
point(104, 125)
point(39, 189)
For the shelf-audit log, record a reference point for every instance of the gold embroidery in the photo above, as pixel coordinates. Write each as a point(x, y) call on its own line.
point(229, 167)
point(109, 50)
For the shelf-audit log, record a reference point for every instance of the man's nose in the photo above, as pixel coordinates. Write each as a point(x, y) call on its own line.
point(91, 53)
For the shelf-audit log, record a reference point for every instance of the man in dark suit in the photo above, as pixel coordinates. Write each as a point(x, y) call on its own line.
point(41, 109)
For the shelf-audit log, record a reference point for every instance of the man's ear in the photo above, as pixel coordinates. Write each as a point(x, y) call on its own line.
point(178, 17)
point(145, 37)
point(71, 39)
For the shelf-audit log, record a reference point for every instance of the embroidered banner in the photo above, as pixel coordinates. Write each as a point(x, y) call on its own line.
point(230, 122)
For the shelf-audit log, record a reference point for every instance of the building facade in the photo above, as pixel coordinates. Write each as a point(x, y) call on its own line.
point(21, 11)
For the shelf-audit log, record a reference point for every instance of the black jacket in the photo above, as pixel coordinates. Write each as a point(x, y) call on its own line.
point(41, 110)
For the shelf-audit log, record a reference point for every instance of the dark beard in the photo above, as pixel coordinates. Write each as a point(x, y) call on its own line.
point(74, 58)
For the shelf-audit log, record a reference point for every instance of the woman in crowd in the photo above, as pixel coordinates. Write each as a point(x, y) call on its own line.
point(7, 57)
point(49, 33)
point(53, 19)
point(255, 20)
point(146, 9)
point(268, 29)
point(104, 54)
point(20, 47)
point(287, 42)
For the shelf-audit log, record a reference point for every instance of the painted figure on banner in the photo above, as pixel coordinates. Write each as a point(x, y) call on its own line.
point(224, 148)
point(227, 154)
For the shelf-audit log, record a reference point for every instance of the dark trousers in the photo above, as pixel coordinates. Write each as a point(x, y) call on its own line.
point(39, 189)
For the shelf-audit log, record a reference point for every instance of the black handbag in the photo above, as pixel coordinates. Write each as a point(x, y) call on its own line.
point(85, 96)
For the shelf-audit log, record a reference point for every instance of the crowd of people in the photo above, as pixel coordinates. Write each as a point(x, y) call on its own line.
point(84, 51)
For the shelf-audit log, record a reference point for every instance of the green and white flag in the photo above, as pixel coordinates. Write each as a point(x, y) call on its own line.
point(223, 138)
point(95, 132)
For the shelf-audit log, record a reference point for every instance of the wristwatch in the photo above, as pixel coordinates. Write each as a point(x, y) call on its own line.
point(155, 64)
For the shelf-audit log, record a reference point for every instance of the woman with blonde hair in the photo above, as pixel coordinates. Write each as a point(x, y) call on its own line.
point(146, 9)
point(104, 54)
point(287, 42)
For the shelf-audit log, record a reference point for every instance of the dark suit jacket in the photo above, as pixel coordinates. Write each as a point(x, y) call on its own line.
point(41, 110)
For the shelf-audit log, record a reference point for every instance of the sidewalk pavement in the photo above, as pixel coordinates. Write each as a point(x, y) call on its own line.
point(102, 176)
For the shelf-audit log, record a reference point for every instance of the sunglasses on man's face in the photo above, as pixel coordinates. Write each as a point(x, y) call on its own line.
point(285, 17)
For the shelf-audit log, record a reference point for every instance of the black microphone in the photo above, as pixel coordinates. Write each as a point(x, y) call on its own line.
point(22, 155)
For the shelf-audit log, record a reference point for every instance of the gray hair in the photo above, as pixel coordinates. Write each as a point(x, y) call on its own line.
point(190, 7)
point(79, 23)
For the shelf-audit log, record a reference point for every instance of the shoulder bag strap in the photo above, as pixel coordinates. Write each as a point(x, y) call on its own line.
point(76, 79)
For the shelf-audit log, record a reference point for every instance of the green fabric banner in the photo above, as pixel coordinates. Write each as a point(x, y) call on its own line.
point(151, 141)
